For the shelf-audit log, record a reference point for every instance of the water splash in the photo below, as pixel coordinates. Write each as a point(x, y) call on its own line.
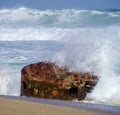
point(9, 81)
point(98, 56)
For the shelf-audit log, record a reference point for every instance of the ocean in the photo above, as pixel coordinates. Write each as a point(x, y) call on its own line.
point(81, 40)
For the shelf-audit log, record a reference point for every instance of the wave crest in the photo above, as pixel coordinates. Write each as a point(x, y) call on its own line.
point(67, 17)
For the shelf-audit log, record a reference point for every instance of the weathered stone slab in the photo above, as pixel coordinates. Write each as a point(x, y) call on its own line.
point(47, 80)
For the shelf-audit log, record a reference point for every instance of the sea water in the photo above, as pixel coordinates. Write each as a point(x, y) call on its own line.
point(82, 40)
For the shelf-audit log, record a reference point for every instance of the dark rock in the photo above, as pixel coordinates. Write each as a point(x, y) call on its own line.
point(47, 80)
point(81, 93)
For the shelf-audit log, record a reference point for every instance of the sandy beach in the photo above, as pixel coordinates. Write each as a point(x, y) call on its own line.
point(12, 106)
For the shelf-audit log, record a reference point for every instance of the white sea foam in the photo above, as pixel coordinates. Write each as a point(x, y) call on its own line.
point(59, 34)
point(9, 81)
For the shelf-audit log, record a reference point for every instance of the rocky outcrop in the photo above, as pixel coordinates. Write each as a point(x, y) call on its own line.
point(47, 80)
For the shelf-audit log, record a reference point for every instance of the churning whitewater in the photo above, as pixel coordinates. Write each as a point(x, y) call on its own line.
point(82, 40)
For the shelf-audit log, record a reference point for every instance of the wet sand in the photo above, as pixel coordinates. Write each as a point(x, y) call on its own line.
point(13, 106)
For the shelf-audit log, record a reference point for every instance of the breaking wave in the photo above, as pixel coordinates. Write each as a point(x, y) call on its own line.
point(63, 18)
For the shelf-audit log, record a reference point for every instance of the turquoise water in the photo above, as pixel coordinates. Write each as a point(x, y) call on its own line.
point(82, 40)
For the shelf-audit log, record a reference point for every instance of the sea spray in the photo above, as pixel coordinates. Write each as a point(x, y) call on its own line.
point(9, 81)
point(96, 55)
point(107, 89)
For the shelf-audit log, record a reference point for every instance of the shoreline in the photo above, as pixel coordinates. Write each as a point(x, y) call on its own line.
point(22, 106)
